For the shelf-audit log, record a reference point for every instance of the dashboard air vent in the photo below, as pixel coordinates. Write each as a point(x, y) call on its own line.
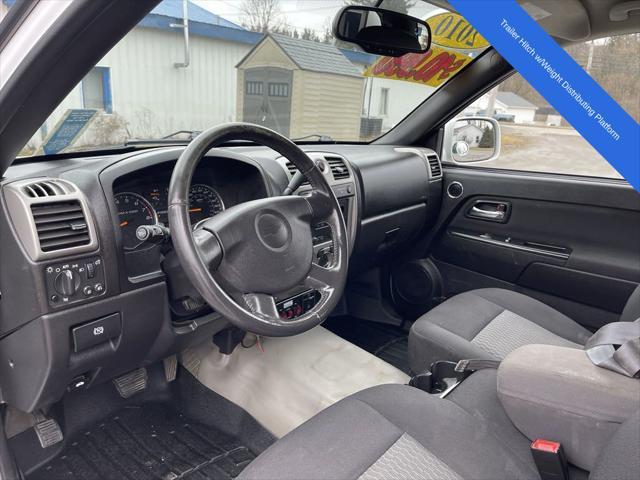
point(293, 169)
point(46, 188)
point(434, 166)
point(60, 225)
point(338, 168)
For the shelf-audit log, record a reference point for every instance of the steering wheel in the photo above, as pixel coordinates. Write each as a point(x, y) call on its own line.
point(244, 257)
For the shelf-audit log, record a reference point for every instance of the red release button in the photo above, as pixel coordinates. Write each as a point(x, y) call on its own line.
point(545, 445)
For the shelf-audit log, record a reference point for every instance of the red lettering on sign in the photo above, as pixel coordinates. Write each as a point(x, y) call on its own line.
point(418, 66)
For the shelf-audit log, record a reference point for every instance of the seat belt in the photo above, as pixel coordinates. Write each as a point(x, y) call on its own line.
point(625, 359)
point(471, 365)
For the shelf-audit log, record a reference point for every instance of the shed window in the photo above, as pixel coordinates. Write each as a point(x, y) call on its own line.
point(96, 89)
point(254, 88)
point(278, 89)
point(384, 101)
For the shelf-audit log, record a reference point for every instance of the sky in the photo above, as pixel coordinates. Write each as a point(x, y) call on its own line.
point(301, 13)
point(315, 14)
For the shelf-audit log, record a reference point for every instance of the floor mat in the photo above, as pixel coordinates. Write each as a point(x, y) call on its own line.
point(289, 380)
point(176, 430)
point(149, 441)
point(396, 352)
point(388, 342)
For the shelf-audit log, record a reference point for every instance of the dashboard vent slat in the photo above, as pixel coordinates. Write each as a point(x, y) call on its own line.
point(434, 166)
point(338, 168)
point(60, 225)
point(46, 188)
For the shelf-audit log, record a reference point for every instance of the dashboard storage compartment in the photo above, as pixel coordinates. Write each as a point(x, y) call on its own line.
point(98, 331)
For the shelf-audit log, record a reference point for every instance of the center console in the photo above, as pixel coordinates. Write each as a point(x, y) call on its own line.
point(558, 393)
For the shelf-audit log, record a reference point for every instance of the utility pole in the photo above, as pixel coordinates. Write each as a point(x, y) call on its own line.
point(590, 57)
point(491, 103)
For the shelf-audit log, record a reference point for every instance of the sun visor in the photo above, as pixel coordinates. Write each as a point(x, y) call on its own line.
point(566, 20)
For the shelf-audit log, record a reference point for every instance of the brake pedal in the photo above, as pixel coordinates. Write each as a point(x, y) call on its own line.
point(48, 432)
point(131, 383)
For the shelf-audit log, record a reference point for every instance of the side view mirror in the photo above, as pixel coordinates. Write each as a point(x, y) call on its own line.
point(383, 32)
point(472, 139)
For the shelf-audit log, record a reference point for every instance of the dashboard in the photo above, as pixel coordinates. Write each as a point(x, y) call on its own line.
point(72, 262)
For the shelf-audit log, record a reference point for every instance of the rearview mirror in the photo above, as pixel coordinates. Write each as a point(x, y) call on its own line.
point(383, 32)
point(472, 139)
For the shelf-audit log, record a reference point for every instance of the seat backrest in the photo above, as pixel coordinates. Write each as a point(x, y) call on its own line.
point(631, 310)
point(620, 459)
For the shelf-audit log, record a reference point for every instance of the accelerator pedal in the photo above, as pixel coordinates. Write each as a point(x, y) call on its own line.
point(48, 431)
point(131, 383)
point(170, 368)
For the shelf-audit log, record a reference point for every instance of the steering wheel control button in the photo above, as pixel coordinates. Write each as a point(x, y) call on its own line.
point(96, 332)
point(74, 281)
point(273, 230)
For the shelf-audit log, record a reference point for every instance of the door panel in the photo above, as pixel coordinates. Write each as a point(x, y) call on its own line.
point(572, 242)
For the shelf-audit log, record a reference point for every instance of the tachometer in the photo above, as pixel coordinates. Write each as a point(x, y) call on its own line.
point(133, 211)
point(204, 202)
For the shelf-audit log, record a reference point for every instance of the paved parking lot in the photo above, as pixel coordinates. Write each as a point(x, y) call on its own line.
point(550, 149)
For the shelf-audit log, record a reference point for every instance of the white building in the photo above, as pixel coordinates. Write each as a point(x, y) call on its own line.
point(507, 103)
point(386, 101)
point(140, 90)
point(469, 133)
point(142, 93)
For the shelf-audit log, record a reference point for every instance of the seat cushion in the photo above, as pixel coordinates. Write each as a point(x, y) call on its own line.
point(393, 431)
point(488, 323)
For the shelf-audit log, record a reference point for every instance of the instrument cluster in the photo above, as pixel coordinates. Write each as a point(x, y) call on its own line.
point(148, 206)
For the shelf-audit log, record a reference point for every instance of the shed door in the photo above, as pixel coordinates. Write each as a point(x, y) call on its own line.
point(267, 98)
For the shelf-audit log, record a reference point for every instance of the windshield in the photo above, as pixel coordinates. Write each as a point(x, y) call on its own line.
point(190, 65)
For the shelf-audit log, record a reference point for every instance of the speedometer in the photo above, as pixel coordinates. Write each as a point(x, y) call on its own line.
point(133, 211)
point(204, 202)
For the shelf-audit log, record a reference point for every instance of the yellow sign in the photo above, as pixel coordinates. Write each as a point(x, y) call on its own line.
point(432, 68)
point(453, 31)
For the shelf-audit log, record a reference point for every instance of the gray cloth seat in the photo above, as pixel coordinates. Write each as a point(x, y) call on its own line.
point(489, 323)
point(398, 432)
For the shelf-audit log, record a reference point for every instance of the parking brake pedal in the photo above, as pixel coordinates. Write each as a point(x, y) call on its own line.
point(48, 431)
point(131, 383)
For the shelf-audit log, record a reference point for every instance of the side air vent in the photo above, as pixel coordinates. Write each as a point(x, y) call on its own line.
point(47, 188)
point(60, 225)
point(338, 168)
point(293, 169)
point(51, 217)
point(434, 166)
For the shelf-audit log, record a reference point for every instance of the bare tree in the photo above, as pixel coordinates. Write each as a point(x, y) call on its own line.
point(401, 6)
point(262, 15)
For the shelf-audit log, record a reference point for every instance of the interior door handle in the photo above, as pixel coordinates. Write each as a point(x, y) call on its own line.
point(490, 214)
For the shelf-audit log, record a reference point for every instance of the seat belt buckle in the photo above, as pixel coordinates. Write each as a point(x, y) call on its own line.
point(461, 366)
point(550, 459)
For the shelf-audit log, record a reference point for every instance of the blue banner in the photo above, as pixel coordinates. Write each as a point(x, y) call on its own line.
point(560, 80)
